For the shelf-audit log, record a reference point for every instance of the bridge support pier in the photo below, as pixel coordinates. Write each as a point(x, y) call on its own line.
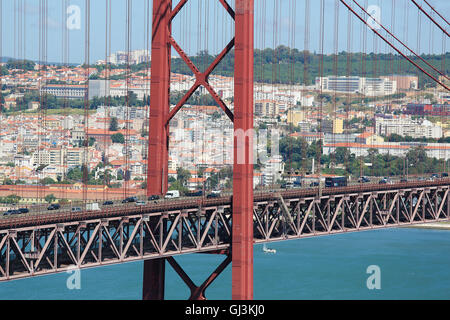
point(160, 116)
point(158, 151)
point(242, 235)
point(154, 279)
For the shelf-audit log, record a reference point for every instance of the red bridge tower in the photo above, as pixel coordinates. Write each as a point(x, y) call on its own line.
point(160, 116)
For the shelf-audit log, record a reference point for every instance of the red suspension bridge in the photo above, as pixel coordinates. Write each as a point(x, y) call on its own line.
point(44, 243)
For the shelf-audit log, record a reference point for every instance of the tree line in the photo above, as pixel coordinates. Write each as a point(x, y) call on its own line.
point(298, 155)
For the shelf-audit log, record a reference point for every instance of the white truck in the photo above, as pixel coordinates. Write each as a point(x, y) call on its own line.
point(92, 206)
point(172, 194)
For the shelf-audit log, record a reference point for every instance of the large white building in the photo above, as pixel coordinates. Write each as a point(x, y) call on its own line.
point(408, 127)
point(135, 57)
point(64, 91)
point(365, 86)
point(273, 170)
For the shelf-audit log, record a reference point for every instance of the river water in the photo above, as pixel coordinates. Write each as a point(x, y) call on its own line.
point(413, 264)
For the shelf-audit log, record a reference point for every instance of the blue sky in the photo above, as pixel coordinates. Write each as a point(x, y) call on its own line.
point(203, 24)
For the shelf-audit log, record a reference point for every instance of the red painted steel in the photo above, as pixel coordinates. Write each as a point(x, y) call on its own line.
point(242, 234)
point(157, 177)
point(198, 292)
point(154, 272)
point(126, 235)
point(158, 157)
point(160, 116)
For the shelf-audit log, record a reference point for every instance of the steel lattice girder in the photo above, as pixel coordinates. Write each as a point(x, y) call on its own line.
point(311, 216)
point(51, 248)
point(54, 248)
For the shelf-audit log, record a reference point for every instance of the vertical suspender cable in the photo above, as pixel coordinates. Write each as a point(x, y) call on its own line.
point(306, 58)
point(321, 75)
point(86, 103)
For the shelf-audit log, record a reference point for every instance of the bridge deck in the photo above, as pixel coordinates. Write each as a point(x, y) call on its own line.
point(52, 242)
point(176, 205)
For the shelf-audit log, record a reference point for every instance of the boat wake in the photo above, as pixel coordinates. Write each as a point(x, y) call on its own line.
point(268, 250)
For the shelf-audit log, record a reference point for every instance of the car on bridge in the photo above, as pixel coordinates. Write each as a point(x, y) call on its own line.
point(287, 185)
point(444, 175)
point(108, 203)
point(24, 210)
point(130, 200)
point(54, 206)
point(385, 180)
point(363, 179)
point(76, 209)
point(153, 198)
point(213, 195)
point(140, 203)
point(197, 193)
point(11, 212)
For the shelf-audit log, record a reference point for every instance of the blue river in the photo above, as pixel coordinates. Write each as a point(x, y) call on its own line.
point(413, 264)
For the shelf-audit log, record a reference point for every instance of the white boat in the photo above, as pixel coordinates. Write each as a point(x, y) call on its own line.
point(267, 250)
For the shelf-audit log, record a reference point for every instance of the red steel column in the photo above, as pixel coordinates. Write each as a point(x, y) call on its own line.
point(159, 96)
point(154, 276)
point(157, 166)
point(242, 242)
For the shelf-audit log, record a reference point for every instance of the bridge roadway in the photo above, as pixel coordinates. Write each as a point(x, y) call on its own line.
point(43, 243)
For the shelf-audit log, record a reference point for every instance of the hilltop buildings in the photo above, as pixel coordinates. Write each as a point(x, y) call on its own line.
point(364, 86)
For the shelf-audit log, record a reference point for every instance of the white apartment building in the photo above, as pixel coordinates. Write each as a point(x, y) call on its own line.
point(64, 91)
point(378, 86)
point(120, 90)
point(365, 86)
point(273, 170)
point(53, 156)
point(72, 157)
point(408, 127)
point(23, 160)
point(135, 57)
point(75, 157)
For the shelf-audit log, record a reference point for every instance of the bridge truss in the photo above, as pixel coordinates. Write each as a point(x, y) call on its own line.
point(162, 231)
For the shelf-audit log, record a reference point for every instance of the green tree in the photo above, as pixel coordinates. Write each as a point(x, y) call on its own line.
point(118, 138)
point(183, 176)
point(113, 124)
point(8, 182)
point(172, 179)
point(75, 174)
point(11, 199)
point(20, 64)
point(47, 181)
point(50, 198)
point(177, 185)
point(63, 201)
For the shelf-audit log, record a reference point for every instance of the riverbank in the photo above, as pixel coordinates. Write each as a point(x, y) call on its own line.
point(433, 225)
